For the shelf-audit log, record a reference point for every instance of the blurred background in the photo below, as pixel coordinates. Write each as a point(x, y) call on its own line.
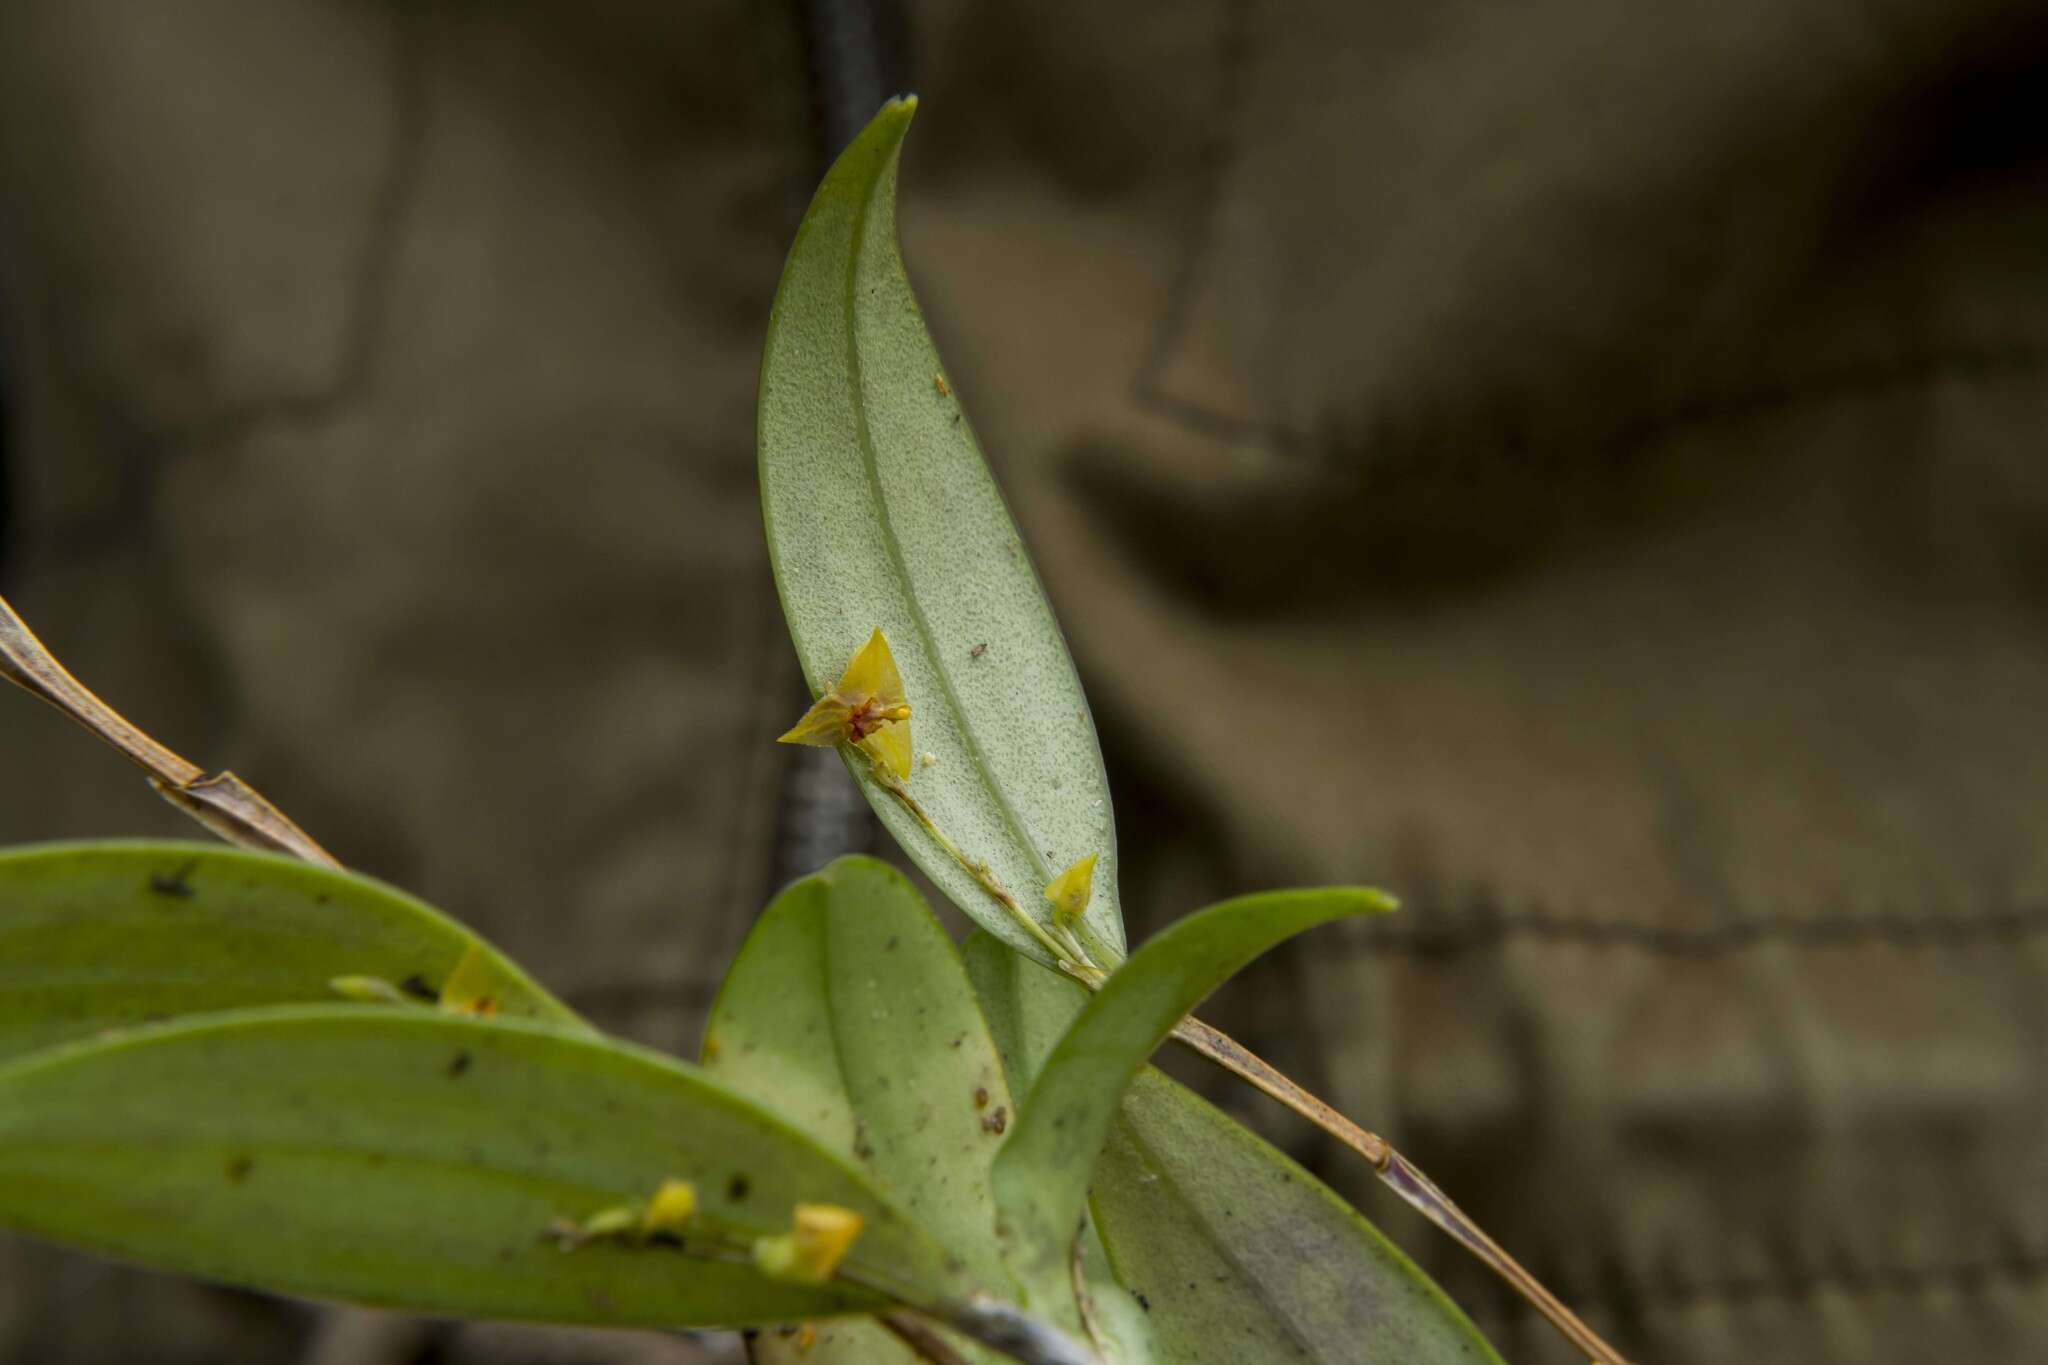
point(1580, 464)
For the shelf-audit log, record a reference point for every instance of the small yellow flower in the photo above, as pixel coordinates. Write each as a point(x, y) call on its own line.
point(672, 1207)
point(867, 708)
point(818, 1240)
point(1069, 892)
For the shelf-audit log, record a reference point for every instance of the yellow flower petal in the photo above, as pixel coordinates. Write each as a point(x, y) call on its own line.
point(1069, 892)
point(890, 747)
point(872, 673)
point(823, 726)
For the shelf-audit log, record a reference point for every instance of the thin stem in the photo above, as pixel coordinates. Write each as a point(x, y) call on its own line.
point(915, 1333)
point(225, 804)
point(1399, 1174)
point(1009, 1329)
point(1393, 1169)
point(983, 875)
point(239, 814)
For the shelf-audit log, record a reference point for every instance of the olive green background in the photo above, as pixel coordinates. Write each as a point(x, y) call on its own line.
point(1580, 464)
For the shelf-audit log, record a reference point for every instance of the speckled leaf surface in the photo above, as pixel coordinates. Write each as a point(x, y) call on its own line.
point(847, 1011)
point(881, 512)
point(416, 1160)
point(1042, 1174)
point(100, 935)
point(1244, 1258)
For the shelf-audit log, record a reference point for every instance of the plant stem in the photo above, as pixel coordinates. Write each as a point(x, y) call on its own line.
point(912, 1331)
point(1018, 1335)
point(974, 867)
point(1393, 1169)
point(1399, 1174)
point(225, 804)
point(239, 814)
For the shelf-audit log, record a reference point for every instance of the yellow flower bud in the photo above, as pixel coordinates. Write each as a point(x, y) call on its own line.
point(812, 1249)
point(672, 1207)
point(1069, 892)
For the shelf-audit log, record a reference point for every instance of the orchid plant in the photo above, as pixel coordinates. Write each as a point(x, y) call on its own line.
point(252, 1065)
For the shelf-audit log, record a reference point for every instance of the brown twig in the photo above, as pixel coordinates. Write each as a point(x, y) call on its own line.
point(915, 1333)
point(225, 804)
point(1398, 1174)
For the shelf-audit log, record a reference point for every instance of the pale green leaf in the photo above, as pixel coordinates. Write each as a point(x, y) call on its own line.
point(848, 1012)
point(881, 513)
point(1028, 1007)
point(98, 935)
point(416, 1160)
point(1244, 1258)
point(1041, 1176)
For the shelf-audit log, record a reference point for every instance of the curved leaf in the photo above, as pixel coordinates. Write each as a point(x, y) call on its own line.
point(881, 513)
point(99, 935)
point(1236, 1254)
point(1042, 1174)
point(1243, 1257)
point(847, 1010)
point(417, 1160)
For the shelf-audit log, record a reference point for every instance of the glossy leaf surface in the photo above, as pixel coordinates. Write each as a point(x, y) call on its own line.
point(881, 513)
point(100, 935)
point(417, 1160)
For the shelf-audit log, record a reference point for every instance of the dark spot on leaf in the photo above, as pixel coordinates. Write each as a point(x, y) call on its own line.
point(416, 986)
point(890, 946)
point(239, 1168)
point(459, 1065)
point(176, 883)
point(666, 1239)
point(737, 1188)
point(978, 650)
point(981, 1097)
point(996, 1121)
point(957, 1041)
point(1144, 1303)
point(862, 1148)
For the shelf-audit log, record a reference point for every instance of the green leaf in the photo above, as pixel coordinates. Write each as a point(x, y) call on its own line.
point(1028, 1007)
point(99, 935)
point(1243, 1257)
point(1041, 1176)
point(416, 1160)
point(1184, 1196)
point(881, 512)
point(847, 1010)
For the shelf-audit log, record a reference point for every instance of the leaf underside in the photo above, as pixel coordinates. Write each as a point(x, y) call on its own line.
point(880, 512)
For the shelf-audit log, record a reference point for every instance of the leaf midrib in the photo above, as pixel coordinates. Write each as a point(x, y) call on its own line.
point(893, 546)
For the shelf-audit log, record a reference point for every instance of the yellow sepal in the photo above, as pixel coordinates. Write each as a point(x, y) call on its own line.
point(872, 673)
point(890, 747)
